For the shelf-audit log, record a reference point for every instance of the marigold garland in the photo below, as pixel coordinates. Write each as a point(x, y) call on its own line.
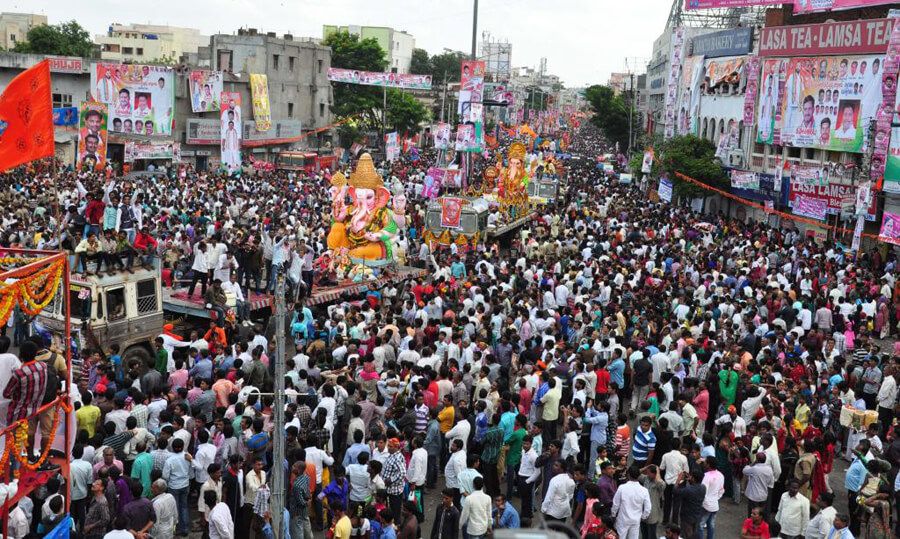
point(23, 460)
point(32, 293)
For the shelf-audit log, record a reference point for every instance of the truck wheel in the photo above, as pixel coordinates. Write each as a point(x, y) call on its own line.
point(136, 352)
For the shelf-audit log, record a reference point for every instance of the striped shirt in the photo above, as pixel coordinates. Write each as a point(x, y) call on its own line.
point(25, 390)
point(644, 442)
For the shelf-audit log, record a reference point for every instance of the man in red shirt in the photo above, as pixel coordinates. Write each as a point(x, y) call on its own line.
point(755, 527)
point(93, 213)
point(602, 378)
point(146, 245)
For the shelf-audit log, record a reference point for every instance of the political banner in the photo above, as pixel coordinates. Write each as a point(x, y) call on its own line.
point(814, 208)
point(834, 195)
point(205, 88)
point(476, 112)
point(809, 175)
point(710, 4)
point(769, 111)
point(499, 94)
point(378, 78)
point(810, 6)
point(451, 211)
point(743, 179)
point(751, 90)
point(723, 71)
point(728, 140)
point(689, 98)
point(672, 83)
point(442, 136)
point(665, 190)
point(65, 116)
point(885, 117)
point(465, 138)
point(259, 94)
point(92, 136)
point(140, 98)
point(471, 83)
point(152, 150)
point(892, 165)
point(828, 101)
point(392, 146)
point(230, 125)
point(647, 164)
point(890, 228)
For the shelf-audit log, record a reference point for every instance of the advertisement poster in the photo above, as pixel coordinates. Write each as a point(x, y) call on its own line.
point(892, 167)
point(769, 112)
point(92, 136)
point(689, 98)
point(471, 82)
point(751, 90)
point(672, 83)
point(743, 179)
point(887, 109)
point(828, 101)
point(230, 125)
point(808, 175)
point(205, 87)
point(834, 195)
point(814, 208)
point(152, 150)
point(65, 116)
point(723, 71)
point(728, 140)
point(259, 93)
point(890, 228)
point(442, 136)
point(647, 164)
point(206, 131)
point(141, 98)
point(451, 211)
point(465, 138)
point(665, 189)
point(476, 112)
point(377, 78)
point(709, 4)
point(392, 146)
point(809, 6)
point(859, 36)
point(499, 94)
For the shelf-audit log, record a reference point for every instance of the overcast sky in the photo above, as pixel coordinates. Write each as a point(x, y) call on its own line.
point(583, 40)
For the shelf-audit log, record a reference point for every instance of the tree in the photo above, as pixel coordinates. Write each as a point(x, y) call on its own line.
point(610, 113)
point(350, 52)
point(166, 59)
point(449, 63)
point(65, 39)
point(695, 157)
point(420, 64)
point(404, 112)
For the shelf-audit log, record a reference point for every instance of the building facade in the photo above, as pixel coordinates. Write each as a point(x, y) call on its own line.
point(144, 43)
point(397, 44)
point(14, 27)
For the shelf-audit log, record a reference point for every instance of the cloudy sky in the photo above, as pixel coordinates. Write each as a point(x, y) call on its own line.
point(583, 40)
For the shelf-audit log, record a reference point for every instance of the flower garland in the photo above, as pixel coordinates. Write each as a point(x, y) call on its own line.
point(15, 441)
point(23, 460)
point(32, 293)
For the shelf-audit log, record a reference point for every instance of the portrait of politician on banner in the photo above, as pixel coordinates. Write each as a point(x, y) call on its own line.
point(140, 98)
point(92, 136)
point(205, 87)
point(231, 129)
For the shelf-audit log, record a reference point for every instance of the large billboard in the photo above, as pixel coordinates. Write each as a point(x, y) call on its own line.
point(832, 195)
point(141, 98)
point(866, 36)
point(92, 136)
point(689, 95)
point(732, 42)
point(377, 78)
point(471, 82)
point(205, 87)
point(230, 122)
point(826, 102)
point(769, 111)
point(259, 94)
point(809, 6)
point(710, 4)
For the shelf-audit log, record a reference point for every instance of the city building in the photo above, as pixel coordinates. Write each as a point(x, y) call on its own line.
point(145, 43)
point(620, 82)
point(14, 27)
point(397, 44)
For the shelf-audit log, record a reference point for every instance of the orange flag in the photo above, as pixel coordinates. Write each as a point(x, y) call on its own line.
point(26, 118)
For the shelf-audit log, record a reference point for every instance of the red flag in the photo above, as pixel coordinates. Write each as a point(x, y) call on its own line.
point(26, 118)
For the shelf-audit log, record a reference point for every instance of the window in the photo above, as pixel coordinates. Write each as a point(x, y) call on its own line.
point(321, 110)
point(12, 37)
point(275, 59)
point(793, 152)
point(225, 57)
point(290, 110)
point(320, 66)
point(809, 153)
point(127, 50)
point(291, 62)
point(115, 304)
point(140, 51)
point(62, 100)
point(146, 296)
point(81, 308)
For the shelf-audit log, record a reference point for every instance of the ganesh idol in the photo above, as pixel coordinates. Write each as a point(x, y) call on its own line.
point(366, 233)
point(514, 178)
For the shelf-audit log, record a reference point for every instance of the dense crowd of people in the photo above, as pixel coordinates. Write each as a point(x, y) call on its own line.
point(622, 372)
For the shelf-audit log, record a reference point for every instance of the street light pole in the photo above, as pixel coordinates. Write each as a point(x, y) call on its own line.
point(444, 96)
point(474, 28)
point(278, 486)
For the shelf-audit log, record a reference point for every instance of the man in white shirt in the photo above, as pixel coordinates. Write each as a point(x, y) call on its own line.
point(887, 399)
point(819, 526)
point(455, 466)
point(418, 466)
point(166, 510)
point(221, 525)
point(231, 286)
point(714, 482)
point(793, 511)
point(631, 505)
point(475, 518)
point(672, 465)
point(557, 503)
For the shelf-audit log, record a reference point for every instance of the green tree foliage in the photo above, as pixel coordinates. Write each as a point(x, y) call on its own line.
point(65, 39)
point(610, 113)
point(420, 64)
point(404, 112)
point(692, 156)
point(449, 63)
point(350, 52)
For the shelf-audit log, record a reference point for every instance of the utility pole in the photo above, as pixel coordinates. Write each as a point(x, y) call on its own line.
point(474, 29)
point(444, 96)
point(278, 486)
point(630, 111)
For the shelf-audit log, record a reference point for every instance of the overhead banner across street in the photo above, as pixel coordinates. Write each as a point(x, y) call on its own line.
point(377, 78)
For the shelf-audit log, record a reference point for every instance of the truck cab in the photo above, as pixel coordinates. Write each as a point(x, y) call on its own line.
point(123, 308)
